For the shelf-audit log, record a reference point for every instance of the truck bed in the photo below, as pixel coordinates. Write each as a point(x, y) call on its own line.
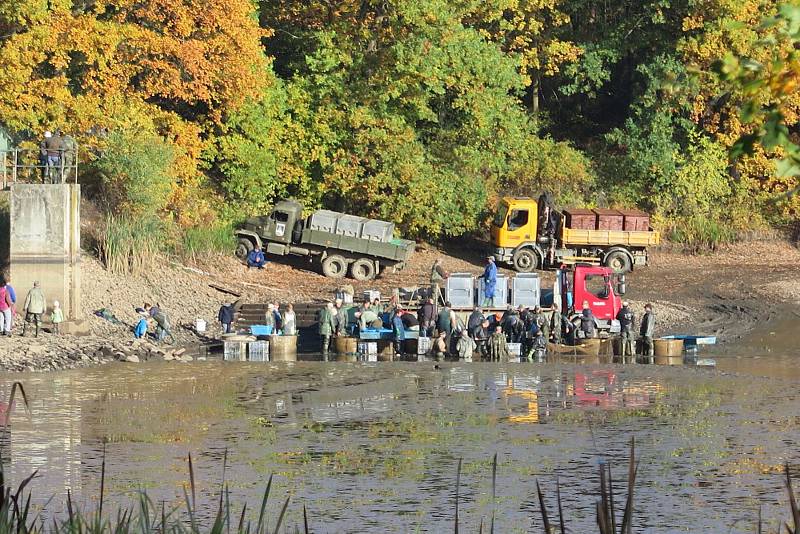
point(396, 250)
point(570, 236)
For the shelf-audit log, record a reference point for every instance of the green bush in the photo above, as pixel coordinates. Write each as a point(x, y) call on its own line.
point(136, 173)
point(700, 234)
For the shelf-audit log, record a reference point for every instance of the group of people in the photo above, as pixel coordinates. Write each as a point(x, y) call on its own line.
point(158, 317)
point(57, 156)
point(283, 323)
point(33, 308)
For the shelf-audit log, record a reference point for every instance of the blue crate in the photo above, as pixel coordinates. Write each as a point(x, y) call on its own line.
point(261, 330)
point(374, 333)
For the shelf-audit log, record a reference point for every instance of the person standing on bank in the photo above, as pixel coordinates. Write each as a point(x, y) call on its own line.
point(398, 332)
point(438, 278)
point(646, 331)
point(626, 319)
point(489, 282)
point(289, 321)
point(225, 317)
point(57, 317)
point(35, 305)
point(7, 310)
point(588, 325)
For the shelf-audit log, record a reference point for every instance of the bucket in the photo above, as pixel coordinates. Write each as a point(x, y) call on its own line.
point(283, 348)
point(668, 351)
point(200, 325)
point(346, 345)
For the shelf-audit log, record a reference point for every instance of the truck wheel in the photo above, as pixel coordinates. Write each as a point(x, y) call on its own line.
point(525, 260)
point(243, 248)
point(619, 262)
point(362, 270)
point(334, 266)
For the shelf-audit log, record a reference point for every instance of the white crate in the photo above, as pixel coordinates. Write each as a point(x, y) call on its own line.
point(424, 345)
point(258, 351)
point(371, 295)
point(367, 347)
point(235, 351)
point(368, 357)
point(515, 349)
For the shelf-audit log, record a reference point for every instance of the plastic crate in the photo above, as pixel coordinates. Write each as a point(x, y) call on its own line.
point(460, 290)
point(323, 221)
point(258, 351)
point(381, 231)
point(261, 330)
point(350, 225)
point(424, 345)
point(234, 351)
point(526, 290)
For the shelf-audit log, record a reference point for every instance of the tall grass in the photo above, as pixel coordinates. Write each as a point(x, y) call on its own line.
point(701, 234)
point(129, 245)
point(200, 241)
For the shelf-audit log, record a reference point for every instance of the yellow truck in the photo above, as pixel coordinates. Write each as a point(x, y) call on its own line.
point(531, 234)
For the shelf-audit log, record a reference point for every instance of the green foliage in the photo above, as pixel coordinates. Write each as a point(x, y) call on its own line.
point(136, 173)
point(199, 241)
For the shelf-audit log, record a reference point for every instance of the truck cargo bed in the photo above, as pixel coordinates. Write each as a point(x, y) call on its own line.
point(395, 250)
point(570, 236)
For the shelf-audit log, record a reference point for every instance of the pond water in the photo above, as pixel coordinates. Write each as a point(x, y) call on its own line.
point(374, 447)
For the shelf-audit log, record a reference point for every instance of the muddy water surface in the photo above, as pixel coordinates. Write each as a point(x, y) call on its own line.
point(374, 447)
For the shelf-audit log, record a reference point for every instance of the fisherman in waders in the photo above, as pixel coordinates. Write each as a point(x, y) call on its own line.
point(498, 346)
point(626, 319)
point(327, 327)
point(646, 331)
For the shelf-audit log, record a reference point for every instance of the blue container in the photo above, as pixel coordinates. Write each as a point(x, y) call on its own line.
point(261, 330)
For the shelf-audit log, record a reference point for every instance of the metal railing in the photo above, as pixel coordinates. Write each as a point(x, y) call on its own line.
point(19, 165)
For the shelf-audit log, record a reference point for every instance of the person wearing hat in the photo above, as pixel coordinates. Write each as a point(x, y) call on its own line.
point(626, 319)
point(140, 330)
point(489, 282)
point(35, 305)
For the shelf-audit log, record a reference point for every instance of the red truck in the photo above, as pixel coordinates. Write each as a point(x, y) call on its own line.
point(600, 287)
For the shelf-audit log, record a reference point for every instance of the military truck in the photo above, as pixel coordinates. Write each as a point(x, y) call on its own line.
point(531, 234)
point(337, 242)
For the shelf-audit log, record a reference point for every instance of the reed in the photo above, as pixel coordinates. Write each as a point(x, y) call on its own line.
point(131, 246)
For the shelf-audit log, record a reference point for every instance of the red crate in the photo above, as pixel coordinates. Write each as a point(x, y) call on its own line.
point(580, 219)
point(636, 221)
point(608, 219)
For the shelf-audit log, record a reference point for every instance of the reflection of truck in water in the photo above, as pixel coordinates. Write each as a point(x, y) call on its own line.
point(338, 242)
point(531, 234)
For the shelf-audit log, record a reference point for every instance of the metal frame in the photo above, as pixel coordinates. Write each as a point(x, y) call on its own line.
point(15, 167)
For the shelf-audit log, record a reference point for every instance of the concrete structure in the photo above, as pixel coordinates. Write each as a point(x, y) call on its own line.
point(45, 243)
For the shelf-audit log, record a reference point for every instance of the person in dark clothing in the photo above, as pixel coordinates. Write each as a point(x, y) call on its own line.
point(475, 319)
point(410, 320)
point(481, 334)
point(510, 324)
point(539, 347)
point(626, 319)
point(647, 330)
point(225, 317)
point(256, 259)
point(587, 322)
point(542, 321)
point(53, 145)
point(427, 318)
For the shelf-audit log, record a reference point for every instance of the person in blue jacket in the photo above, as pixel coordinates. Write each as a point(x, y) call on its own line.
point(489, 282)
point(256, 259)
point(140, 331)
point(399, 331)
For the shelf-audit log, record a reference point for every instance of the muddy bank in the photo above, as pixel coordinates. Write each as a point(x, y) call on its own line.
point(725, 294)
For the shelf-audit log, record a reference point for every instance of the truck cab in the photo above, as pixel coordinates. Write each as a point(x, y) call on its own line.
point(515, 233)
point(275, 228)
point(600, 287)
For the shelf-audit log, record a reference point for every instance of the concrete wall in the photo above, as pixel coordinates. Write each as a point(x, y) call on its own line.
point(45, 243)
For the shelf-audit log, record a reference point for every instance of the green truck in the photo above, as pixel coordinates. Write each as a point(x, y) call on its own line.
point(339, 243)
